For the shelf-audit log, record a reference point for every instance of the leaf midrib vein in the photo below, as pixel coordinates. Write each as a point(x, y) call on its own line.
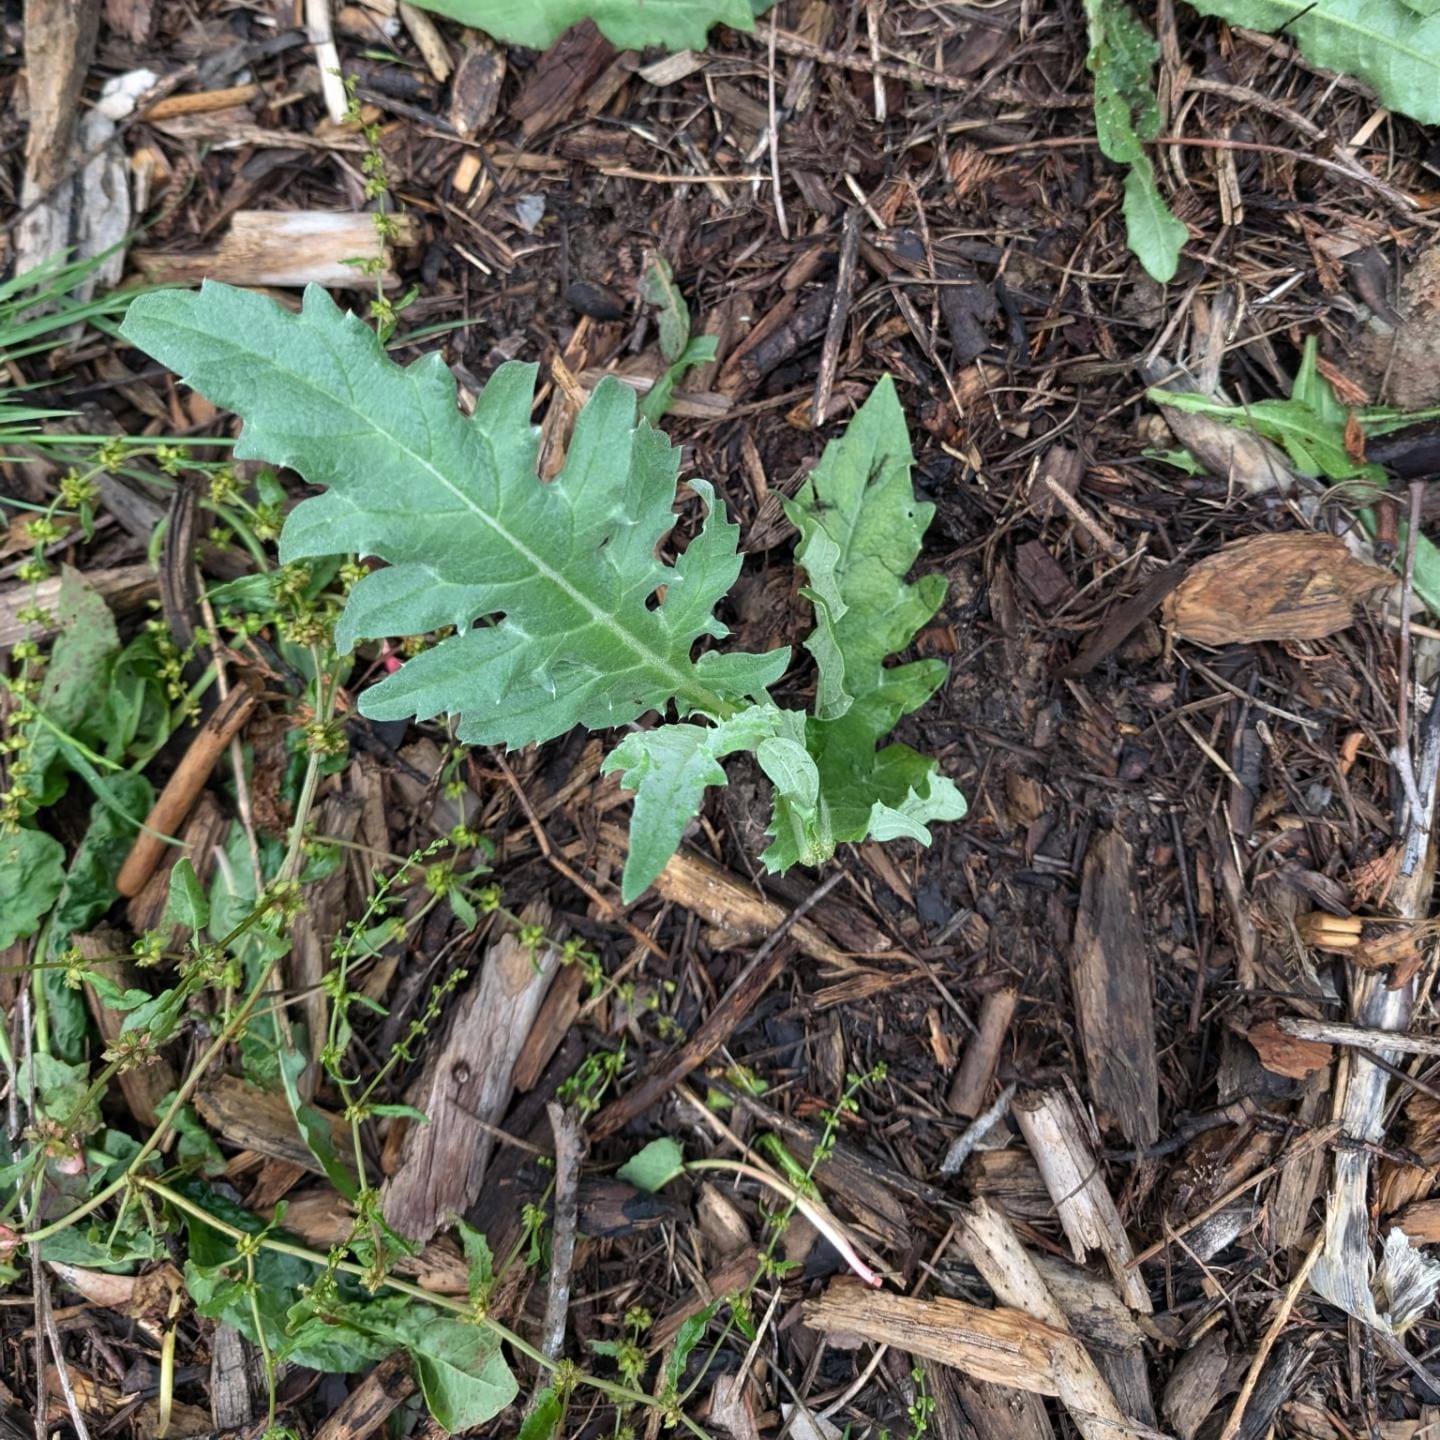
point(682, 683)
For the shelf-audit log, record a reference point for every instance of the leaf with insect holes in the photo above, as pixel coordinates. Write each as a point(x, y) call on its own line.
point(630, 24)
point(554, 588)
point(1121, 58)
point(860, 531)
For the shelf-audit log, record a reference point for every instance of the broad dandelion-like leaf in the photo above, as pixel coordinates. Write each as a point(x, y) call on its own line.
point(551, 587)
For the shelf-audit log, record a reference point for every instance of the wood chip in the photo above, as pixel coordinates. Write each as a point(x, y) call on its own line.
point(1004, 1346)
point(467, 1084)
point(1110, 969)
point(1283, 1054)
point(1297, 586)
point(291, 248)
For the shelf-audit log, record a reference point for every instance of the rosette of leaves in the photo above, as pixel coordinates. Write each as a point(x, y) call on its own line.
point(563, 612)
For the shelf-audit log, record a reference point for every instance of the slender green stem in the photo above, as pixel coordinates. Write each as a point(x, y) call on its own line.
point(162, 1129)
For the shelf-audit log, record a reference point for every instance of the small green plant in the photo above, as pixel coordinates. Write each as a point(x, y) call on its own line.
point(564, 613)
point(1393, 45)
point(628, 24)
point(1122, 57)
point(680, 352)
point(1311, 428)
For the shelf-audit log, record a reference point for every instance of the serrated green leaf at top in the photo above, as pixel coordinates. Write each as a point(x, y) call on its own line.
point(550, 586)
point(860, 528)
point(628, 24)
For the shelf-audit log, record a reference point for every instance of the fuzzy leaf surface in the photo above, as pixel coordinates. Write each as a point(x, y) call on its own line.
point(861, 527)
point(548, 585)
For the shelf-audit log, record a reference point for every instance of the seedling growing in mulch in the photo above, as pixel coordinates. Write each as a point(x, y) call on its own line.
point(564, 614)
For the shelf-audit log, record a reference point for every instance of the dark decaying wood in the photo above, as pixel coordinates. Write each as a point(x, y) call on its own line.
point(367, 1407)
point(1110, 970)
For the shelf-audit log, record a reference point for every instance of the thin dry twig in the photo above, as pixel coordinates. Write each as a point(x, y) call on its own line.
point(569, 1150)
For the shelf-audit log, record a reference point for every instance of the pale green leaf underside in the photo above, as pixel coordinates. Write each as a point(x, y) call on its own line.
point(669, 769)
point(1391, 44)
point(548, 584)
point(629, 24)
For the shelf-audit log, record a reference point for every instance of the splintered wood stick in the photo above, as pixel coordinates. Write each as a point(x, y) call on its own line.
point(1072, 1176)
point(996, 1252)
point(467, 1084)
point(977, 1069)
point(1328, 1032)
point(183, 789)
point(1343, 1273)
point(1004, 1346)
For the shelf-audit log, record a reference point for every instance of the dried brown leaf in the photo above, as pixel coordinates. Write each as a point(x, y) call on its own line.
point(1295, 586)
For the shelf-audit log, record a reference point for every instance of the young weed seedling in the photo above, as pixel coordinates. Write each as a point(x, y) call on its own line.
point(564, 614)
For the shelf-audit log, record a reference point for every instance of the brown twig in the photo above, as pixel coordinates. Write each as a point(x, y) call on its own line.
point(752, 982)
point(183, 788)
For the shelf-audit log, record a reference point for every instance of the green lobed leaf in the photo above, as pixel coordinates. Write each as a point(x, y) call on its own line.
point(75, 681)
point(658, 288)
point(655, 1166)
point(629, 24)
point(687, 1337)
point(669, 769)
point(32, 873)
point(479, 1261)
point(1393, 45)
point(468, 530)
point(861, 527)
point(1122, 58)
